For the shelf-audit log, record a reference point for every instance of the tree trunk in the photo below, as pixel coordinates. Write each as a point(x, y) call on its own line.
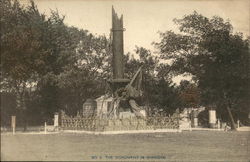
point(23, 121)
point(24, 108)
point(233, 127)
point(25, 124)
point(21, 107)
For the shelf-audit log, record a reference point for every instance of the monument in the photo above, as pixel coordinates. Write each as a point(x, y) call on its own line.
point(118, 109)
point(125, 91)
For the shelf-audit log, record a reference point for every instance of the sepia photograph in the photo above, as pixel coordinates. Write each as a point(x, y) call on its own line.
point(125, 80)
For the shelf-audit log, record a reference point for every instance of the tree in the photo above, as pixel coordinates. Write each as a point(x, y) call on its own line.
point(21, 52)
point(87, 77)
point(189, 94)
point(143, 57)
point(35, 50)
point(159, 91)
point(217, 59)
point(62, 42)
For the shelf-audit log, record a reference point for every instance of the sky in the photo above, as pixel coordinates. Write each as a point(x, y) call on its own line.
point(143, 19)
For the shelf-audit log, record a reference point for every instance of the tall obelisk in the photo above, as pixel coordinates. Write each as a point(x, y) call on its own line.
point(118, 52)
point(122, 89)
point(117, 45)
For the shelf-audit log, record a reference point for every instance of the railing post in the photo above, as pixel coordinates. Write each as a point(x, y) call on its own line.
point(13, 124)
point(45, 128)
point(56, 121)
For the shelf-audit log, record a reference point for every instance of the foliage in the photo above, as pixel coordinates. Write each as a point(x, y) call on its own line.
point(42, 61)
point(160, 94)
point(217, 58)
point(22, 55)
point(47, 66)
point(189, 94)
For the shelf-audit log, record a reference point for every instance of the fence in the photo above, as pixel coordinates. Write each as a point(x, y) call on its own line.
point(133, 123)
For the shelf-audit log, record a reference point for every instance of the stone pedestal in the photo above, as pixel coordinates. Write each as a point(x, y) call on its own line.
point(212, 118)
point(195, 122)
point(194, 118)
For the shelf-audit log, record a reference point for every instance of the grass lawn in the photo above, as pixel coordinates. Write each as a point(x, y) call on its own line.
point(185, 146)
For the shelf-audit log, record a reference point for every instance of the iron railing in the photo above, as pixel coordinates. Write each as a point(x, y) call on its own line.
point(133, 123)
